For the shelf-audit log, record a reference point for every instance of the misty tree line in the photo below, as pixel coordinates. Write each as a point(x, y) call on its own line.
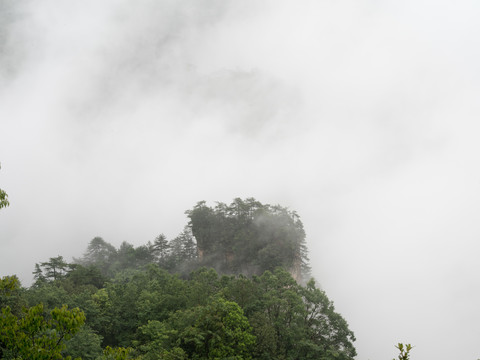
point(160, 301)
point(101, 261)
point(244, 237)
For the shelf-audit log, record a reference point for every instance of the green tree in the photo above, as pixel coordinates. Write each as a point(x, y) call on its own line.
point(290, 321)
point(3, 197)
point(85, 345)
point(404, 351)
point(203, 284)
point(277, 316)
point(325, 329)
point(36, 335)
point(86, 275)
point(99, 315)
point(161, 249)
point(183, 252)
point(11, 294)
point(118, 306)
point(118, 353)
point(38, 276)
point(131, 299)
point(203, 223)
point(144, 255)
point(125, 258)
point(218, 330)
point(54, 269)
point(101, 254)
point(161, 294)
point(156, 341)
point(51, 295)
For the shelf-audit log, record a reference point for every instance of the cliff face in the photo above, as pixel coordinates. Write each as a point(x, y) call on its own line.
point(296, 271)
point(227, 263)
point(200, 253)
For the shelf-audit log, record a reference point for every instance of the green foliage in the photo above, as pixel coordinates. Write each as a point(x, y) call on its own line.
point(58, 269)
point(249, 237)
point(144, 255)
point(11, 294)
point(218, 330)
point(54, 269)
point(109, 261)
point(326, 328)
point(161, 248)
point(131, 299)
point(278, 315)
point(50, 294)
point(118, 353)
point(85, 344)
point(204, 316)
point(183, 252)
point(89, 275)
point(100, 254)
point(289, 320)
point(203, 284)
point(153, 339)
point(9, 284)
point(404, 351)
point(3, 198)
point(36, 335)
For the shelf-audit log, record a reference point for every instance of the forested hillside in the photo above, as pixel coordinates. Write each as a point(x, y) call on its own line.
point(225, 288)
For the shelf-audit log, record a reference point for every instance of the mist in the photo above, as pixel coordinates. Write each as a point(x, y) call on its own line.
point(362, 116)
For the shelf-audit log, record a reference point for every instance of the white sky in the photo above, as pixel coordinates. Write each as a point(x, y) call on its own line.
point(116, 117)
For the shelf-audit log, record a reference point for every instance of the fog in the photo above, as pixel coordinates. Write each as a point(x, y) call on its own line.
point(116, 117)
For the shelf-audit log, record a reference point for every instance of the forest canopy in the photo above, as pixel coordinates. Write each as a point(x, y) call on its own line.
point(227, 287)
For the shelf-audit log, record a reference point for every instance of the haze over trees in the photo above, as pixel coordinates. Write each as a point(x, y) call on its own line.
point(229, 286)
point(249, 237)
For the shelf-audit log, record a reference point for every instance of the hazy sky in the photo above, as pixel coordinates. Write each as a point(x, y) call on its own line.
point(361, 115)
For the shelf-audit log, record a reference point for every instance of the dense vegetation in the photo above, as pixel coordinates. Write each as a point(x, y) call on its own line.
point(249, 237)
point(233, 297)
point(205, 316)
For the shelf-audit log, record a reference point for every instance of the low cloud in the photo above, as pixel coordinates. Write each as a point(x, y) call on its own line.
point(361, 116)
